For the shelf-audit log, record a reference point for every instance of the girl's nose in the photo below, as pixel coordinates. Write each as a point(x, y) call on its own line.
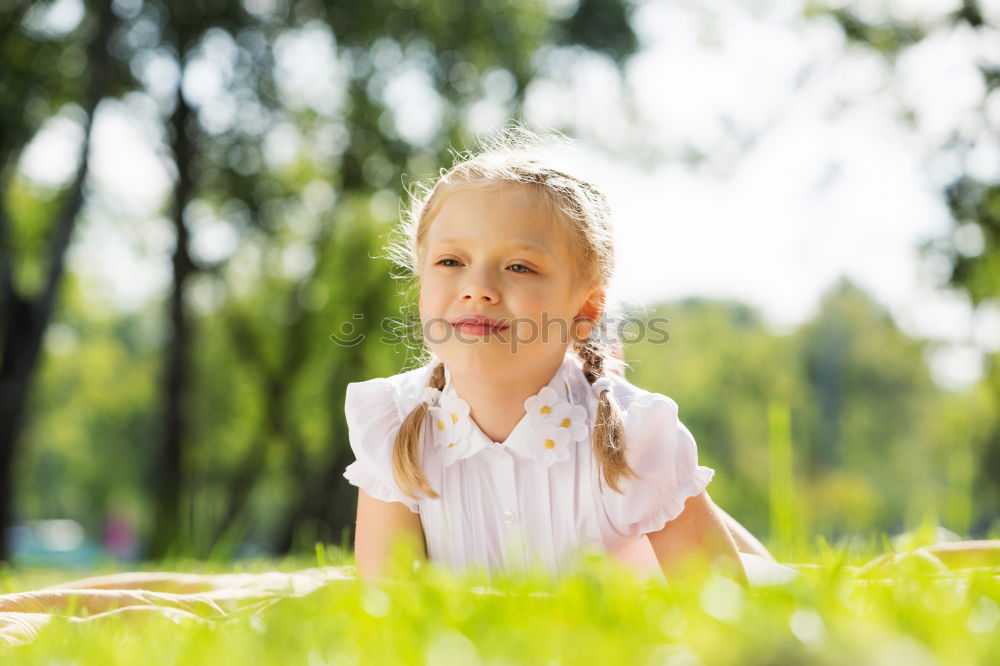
point(481, 290)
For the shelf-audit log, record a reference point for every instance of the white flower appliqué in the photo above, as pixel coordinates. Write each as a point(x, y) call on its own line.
point(452, 426)
point(573, 418)
point(556, 424)
point(541, 405)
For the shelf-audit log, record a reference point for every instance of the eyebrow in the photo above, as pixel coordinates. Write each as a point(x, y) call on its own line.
point(516, 245)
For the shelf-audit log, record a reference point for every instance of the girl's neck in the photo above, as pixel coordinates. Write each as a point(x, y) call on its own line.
point(497, 402)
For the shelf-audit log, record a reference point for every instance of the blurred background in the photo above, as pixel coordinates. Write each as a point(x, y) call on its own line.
point(194, 197)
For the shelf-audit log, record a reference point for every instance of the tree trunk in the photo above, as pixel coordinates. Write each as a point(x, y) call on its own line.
point(169, 472)
point(21, 342)
point(23, 319)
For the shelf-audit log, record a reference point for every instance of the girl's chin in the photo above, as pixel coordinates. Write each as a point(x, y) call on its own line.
point(489, 355)
point(479, 349)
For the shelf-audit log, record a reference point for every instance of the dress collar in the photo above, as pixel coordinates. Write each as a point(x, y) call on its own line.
point(555, 420)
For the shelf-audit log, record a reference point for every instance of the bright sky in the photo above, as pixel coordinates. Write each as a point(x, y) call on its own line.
point(809, 175)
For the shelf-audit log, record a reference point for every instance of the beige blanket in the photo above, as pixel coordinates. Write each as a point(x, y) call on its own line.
point(155, 596)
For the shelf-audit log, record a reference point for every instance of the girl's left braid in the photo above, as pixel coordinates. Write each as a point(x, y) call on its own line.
point(609, 424)
point(437, 379)
point(406, 466)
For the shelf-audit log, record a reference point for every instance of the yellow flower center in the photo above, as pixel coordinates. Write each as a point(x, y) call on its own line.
point(565, 422)
point(550, 444)
point(451, 446)
point(440, 424)
point(454, 417)
point(545, 409)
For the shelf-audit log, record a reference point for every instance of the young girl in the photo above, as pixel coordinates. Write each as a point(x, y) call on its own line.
point(515, 445)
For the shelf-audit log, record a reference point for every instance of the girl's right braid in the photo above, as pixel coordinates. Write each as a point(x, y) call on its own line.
point(406, 467)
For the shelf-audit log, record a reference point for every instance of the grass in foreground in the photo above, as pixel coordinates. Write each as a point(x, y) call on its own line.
point(910, 613)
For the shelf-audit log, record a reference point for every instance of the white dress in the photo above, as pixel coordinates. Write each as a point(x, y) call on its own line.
point(534, 499)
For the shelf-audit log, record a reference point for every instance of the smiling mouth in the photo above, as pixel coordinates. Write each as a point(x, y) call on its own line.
point(473, 327)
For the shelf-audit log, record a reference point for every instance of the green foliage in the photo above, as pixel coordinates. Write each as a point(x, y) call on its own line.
point(31, 211)
point(264, 440)
point(976, 261)
point(97, 391)
point(872, 443)
point(832, 614)
point(971, 248)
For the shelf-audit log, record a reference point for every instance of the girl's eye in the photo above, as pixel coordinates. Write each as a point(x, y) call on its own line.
point(515, 268)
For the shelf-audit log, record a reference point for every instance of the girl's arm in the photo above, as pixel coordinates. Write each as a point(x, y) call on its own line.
point(380, 527)
point(745, 541)
point(697, 536)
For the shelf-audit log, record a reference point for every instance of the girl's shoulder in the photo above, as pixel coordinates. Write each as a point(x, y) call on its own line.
point(375, 410)
point(636, 402)
point(402, 390)
point(662, 452)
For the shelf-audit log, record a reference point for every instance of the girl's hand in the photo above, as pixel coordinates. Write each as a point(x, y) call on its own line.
point(695, 538)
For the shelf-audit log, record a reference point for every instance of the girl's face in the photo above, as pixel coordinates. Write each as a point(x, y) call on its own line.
point(496, 257)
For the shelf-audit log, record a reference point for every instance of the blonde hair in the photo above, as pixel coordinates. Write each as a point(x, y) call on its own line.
point(514, 156)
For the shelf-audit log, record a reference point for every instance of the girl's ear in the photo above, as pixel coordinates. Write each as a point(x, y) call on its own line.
point(593, 307)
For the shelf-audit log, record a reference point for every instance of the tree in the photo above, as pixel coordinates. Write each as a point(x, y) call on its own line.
point(860, 403)
point(972, 248)
point(341, 138)
point(862, 425)
point(25, 314)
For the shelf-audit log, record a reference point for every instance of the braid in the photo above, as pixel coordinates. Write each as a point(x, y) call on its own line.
point(406, 467)
point(609, 426)
point(593, 361)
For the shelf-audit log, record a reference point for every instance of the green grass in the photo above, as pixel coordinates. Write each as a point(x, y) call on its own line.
point(912, 613)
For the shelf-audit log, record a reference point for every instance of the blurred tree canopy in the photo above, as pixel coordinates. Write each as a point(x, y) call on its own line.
point(972, 249)
point(875, 444)
point(287, 126)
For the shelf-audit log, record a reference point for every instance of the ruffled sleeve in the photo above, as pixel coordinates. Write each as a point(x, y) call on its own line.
point(373, 419)
point(661, 450)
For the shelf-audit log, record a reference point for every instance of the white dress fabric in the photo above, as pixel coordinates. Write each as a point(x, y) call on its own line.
point(535, 499)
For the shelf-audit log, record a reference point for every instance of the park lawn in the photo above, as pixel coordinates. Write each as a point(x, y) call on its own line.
point(911, 613)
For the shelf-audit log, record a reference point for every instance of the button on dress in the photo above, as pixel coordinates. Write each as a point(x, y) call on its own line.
point(534, 500)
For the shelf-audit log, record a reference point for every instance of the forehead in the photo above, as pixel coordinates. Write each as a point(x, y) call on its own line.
point(511, 215)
